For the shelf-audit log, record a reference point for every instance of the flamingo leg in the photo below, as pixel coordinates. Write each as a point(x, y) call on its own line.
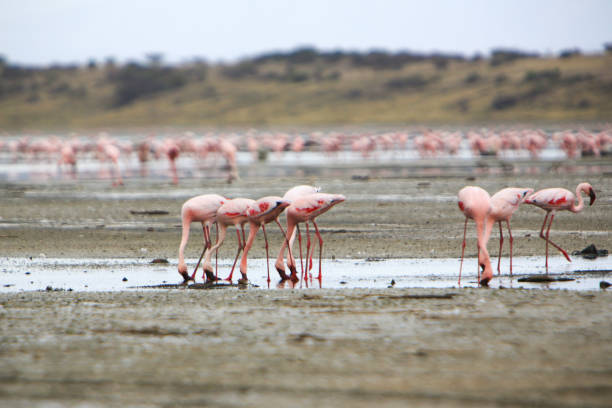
point(308, 254)
point(285, 236)
point(217, 254)
point(545, 238)
point(501, 243)
point(198, 264)
point(320, 249)
point(208, 275)
point(299, 234)
point(552, 217)
point(207, 246)
point(511, 242)
point(263, 228)
point(478, 264)
point(462, 250)
point(229, 278)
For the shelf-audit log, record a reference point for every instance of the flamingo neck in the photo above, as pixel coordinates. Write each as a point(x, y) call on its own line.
point(580, 205)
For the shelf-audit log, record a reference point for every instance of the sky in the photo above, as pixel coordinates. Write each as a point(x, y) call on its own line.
point(42, 32)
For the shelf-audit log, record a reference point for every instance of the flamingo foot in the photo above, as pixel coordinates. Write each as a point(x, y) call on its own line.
point(294, 276)
point(282, 274)
point(210, 276)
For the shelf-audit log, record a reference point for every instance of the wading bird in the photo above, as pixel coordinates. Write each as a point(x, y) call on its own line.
point(305, 209)
point(503, 204)
point(260, 213)
point(201, 209)
point(291, 195)
point(475, 203)
point(559, 199)
point(232, 212)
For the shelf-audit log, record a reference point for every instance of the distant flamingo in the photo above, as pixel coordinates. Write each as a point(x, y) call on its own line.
point(68, 158)
point(202, 209)
point(260, 213)
point(111, 152)
point(475, 203)
point(503, 204)
point(559, 199)
point(228, 151)
point(232, 212)
point(305, 209)
point(172, 150)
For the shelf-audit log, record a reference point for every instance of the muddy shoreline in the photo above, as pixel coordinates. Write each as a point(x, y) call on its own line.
point(460, 347)
point(305, 348)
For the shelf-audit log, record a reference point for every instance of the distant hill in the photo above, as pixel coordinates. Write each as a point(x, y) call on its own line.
point(308, 87)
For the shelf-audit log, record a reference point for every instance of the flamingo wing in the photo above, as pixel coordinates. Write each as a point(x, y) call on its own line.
point(552, 198)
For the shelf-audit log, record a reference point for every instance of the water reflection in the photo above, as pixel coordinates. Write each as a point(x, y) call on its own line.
point(19, 274)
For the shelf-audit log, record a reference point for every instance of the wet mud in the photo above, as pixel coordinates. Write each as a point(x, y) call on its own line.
point(347, 346)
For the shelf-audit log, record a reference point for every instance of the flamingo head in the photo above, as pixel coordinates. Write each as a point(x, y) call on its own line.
point(588, 189)
point(484, 263)
point(526, 193)
point(592, 195)
point(182, 270)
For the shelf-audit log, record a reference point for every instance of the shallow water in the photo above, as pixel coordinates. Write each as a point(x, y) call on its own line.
point(24, 274)
point(399, 163)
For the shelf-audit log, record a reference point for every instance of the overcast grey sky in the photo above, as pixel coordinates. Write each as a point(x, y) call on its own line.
point(65, 31)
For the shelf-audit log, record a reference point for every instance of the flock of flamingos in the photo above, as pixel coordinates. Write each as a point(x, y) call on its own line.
point(220, 149)
point(303, 204)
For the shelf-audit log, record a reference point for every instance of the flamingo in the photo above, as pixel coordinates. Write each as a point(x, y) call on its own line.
point(552, 200)
point(68, 157)
point(232, 212)
point(292, 194)
point(305, 209)
point(475, 203)
point(172, 150)
point(202, 208)
point(503, 204)
point(112, 152)
point(261, 212)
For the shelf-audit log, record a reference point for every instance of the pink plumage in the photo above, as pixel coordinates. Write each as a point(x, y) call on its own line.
point(305, 209)
point(475, 203)
point(503, 204)
point(559, 199)
point(201, 209)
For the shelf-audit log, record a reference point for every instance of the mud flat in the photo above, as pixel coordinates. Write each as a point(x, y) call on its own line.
point(346, 348)
point(306, 348)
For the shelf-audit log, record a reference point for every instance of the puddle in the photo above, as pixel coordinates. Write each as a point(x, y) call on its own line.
point(118, 274)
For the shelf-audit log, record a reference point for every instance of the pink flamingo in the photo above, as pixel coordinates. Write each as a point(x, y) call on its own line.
point(552, 200)
point(228, 151)
point(503, 204)
point(291, 195)
point(260, 213)
point(232, 212)
point(68, 158)
point(202, 209)
point(111, 152)
point(305, 209)
point(475, 203)
point(172, 150)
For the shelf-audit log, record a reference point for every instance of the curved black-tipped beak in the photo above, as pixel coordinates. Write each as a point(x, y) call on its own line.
point(592, 195)
point(283, 204)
